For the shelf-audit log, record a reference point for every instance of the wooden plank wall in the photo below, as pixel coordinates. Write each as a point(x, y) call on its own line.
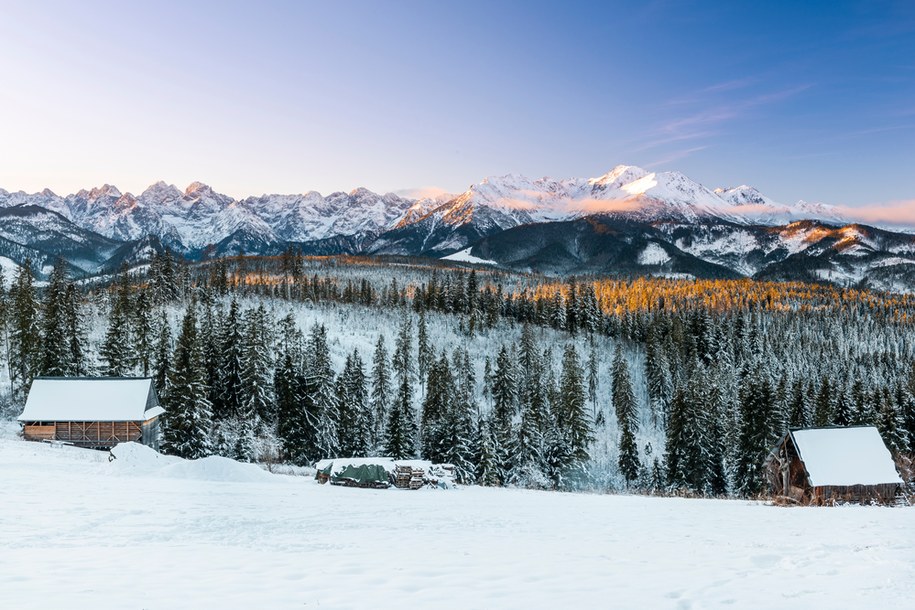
point(98, 434)
point(33, 432)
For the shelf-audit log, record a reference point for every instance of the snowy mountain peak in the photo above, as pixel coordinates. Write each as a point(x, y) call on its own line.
point(160, 191)
point(618, 176)
point(198, 189)
point(106, 190)
point(744, 195)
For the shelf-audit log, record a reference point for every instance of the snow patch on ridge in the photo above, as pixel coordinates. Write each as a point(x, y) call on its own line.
point(653, 254)
point(464, 256)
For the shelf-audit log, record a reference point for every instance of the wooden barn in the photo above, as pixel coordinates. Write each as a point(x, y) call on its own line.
point(829, 465)
point(96, 412)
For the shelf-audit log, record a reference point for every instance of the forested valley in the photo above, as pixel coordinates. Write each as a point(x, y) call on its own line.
point(662, 386)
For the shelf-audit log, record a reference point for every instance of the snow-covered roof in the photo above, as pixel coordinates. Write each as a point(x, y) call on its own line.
point(90, 399)
point(845, 456)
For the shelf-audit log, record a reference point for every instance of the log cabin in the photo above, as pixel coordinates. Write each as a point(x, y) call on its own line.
point(94, 412)
point(833, 465)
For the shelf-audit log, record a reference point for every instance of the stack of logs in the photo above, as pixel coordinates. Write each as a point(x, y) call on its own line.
point(408, 477)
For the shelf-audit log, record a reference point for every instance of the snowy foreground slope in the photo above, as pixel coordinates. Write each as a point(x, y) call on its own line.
point(78, 531)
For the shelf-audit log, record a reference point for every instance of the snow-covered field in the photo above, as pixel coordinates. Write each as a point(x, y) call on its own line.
point(79, 531)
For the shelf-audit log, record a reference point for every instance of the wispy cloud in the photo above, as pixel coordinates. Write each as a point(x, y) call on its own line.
point(674, 156)
point(708, 114)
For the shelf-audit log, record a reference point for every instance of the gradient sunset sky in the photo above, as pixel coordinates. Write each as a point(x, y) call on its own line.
point(804, 100)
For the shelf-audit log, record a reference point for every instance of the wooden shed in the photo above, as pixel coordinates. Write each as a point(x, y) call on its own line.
point(95, 412)
point(829, 465)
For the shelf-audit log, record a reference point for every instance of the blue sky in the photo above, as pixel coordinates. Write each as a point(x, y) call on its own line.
point(812, 100)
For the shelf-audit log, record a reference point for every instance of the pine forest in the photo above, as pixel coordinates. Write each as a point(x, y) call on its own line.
point(655, 386)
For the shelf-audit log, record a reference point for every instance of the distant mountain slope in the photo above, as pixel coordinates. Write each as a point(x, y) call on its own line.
point(629, 221)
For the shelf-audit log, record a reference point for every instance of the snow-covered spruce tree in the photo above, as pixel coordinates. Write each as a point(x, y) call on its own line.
point(292, 423)
point(162, 358)
point(381, 392)
point(356, 421)
point(709, 383)
point(25, 334)
point(438, 402)
point(209, 336)
point(505, 401)
point(76, 333)
point(573, 419)
point(55, 360)
point(843, 411)
point(116, 352)
point(164, 282)
point(319, 399)
point(823, 409)
point(504, 387)
point(4, 322)
point(890, 424)
point(684, 456)
point(257, 403)
point(228, 392)
point(593, 380)
point(659, 384)
point(798, 411)
point(534, 411)
point(458, 433)
point(753, 441)
point(400, 434)
point(908, 414)
point(487, 469)
point(626, 409)
point(187, 419)
point(425, 354)
point(143, 332)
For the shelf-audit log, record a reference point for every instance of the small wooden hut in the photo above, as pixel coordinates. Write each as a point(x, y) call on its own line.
point(828, 465)
point(95, 412)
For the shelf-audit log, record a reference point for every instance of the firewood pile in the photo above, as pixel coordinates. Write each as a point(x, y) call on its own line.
point(408, 477)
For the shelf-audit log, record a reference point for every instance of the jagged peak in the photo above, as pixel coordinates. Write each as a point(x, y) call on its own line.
point(361, 191)
point(106, 190)
point(621, 174)
point(198, 188)
point(161, 190)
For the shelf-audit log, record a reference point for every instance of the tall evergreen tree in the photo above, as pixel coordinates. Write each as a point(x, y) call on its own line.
point(400, 435)
point(823, 409)
point(162, 362)
point(187, 420)
point(257, 401)
point(627, 417)
point(229, 391)
point(356, 421)
point(77, 336)
point(319, 399)
point(55, 352)
point(143, 333)
point(116, 351)
point(381, 390)
point(573, 418)
point(25, 334)
point(753, 444)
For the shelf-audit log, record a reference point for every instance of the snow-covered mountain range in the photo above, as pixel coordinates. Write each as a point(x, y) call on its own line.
point(738, 228)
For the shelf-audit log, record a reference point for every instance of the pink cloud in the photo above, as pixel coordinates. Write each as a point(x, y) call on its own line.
point(893, 213)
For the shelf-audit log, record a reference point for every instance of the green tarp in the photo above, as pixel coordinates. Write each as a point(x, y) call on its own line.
point(363, 474)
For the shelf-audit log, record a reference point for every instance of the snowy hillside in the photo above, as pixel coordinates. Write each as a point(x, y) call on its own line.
point(134, 533)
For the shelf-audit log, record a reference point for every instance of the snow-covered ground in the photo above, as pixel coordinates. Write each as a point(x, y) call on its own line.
point(79, 531)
